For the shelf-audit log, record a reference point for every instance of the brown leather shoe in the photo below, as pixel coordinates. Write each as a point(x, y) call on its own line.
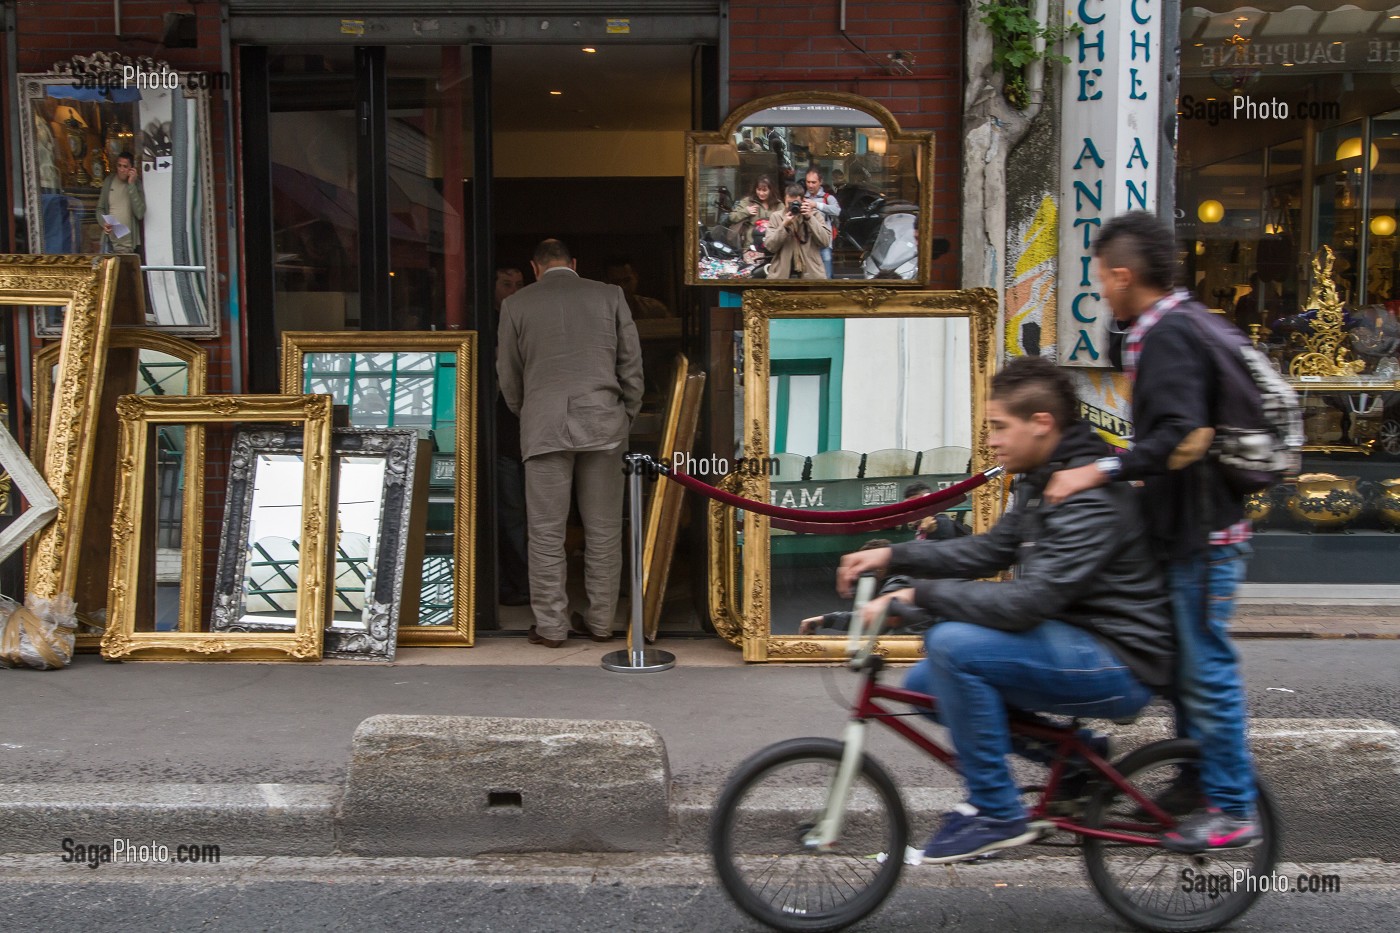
point(535, 638)
point(580, 627)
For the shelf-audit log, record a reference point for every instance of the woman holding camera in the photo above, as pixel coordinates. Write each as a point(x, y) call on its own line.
point(796, 236)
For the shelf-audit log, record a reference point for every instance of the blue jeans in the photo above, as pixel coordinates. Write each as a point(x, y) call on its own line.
point(1210, 705)
point(976, 672)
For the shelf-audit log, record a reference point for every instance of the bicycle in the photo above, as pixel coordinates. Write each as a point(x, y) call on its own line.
point(836, 864)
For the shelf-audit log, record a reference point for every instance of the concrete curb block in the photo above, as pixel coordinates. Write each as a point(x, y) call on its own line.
point(418, 789)
point(241, 819)
point(462, 785)
point(1336, 783)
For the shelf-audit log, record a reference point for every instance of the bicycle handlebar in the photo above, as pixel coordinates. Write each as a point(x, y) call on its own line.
point(859, 645)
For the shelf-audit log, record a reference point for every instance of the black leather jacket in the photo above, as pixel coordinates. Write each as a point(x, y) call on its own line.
point(1084, 562)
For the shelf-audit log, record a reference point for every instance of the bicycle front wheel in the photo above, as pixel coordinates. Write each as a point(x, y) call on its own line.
point(1155, 888)
point(756, 838)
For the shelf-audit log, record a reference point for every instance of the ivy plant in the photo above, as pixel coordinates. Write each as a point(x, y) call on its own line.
point(1014, 32)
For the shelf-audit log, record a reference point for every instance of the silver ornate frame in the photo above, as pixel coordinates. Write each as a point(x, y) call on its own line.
point(399, 447)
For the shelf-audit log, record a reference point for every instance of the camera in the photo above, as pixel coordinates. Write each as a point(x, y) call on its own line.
point(795, 207)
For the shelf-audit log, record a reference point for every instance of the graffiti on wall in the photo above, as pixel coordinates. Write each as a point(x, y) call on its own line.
point(1030, 330)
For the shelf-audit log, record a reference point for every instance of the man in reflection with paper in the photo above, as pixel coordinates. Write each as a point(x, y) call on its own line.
point(570, 366)
point(121, 206)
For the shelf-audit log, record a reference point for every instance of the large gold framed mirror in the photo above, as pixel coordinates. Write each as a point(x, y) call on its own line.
point(138, 604)
point(849, 398)
point(864, 212)
point(425, 380)
point(95, 292)
point(165, 366)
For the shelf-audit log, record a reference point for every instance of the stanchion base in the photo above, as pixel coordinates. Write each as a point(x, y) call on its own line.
point(646, 661)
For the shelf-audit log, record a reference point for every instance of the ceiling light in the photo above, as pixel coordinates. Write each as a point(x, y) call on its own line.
point(555, 93)
point(1383, 225)
point(1211, 212)
point(589, 49)
point(1198, 44)
point(1288, 64)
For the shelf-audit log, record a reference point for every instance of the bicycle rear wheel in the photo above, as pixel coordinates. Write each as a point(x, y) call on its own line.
point(770, 802)
point(1157, 889)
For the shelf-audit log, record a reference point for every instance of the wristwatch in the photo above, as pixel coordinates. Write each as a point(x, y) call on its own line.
point(1109, 466)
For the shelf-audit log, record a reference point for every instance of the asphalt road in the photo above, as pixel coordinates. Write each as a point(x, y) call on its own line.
point(237, 723)
point(601, 895)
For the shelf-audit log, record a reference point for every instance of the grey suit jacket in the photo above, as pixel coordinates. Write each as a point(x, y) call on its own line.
point(569, 363)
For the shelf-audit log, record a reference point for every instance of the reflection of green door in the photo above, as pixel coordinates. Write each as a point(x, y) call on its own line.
point(799, 406)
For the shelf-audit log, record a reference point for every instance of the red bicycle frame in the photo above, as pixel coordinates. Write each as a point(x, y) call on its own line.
point(1066, 741)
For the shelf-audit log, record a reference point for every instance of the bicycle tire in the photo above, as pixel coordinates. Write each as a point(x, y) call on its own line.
point(1150, 769)
point(752, 813)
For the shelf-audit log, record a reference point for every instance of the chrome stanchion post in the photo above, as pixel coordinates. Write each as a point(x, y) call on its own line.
point(637, 658)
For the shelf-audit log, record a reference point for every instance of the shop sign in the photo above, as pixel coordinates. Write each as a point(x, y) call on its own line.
point(1110, 101)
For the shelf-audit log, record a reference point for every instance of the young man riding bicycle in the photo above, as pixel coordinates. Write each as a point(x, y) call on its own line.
point(1083, 628)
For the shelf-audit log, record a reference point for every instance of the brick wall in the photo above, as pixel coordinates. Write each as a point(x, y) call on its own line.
point(795, 45)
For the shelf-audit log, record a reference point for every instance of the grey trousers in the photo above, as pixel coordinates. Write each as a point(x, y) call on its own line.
point(549, 482)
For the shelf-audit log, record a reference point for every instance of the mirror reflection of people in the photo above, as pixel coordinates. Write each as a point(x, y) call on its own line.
point(904, 618)
point(940, 527)
point(796, 236)
point(513, 587)
point(122, 199)
point(763, 199)
point(826, 203)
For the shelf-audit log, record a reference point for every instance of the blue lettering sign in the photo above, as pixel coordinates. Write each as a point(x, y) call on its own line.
point(1074, 306)
point(1137, 17)
point(1145, 43)
point(1088, 222)
point(1086, 83)
point(1084, 343)
point(1085, 46)
point(1089, 151)
point(1141, 195)
point(1137, 153)
point(1134, 82)
point(1084, 14)
point(1095, 197)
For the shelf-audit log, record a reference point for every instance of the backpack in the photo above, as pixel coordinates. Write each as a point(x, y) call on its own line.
point(1258, 420)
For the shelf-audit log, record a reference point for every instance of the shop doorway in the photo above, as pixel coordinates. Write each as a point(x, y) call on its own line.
point(589, 147)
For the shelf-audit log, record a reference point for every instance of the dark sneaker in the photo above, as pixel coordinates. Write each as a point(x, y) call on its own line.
point(965, 834)
point(1213, 828)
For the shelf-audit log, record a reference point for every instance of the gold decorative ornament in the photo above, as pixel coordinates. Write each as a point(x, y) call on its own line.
point(1258, 506)
point(1324, 350)
point(978, 307)
point(122, 640)
point(297, 346)
point(1325, 500)
point(1388, 502)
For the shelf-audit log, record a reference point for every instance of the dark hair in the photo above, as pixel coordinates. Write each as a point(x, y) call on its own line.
point(509, 267)
point(812, 170)
point(873, 543)
point(795, 191)
point(917, 489)
point(126, 154)
point(772, 191)
point(551, 251)
point(1139, 241)
point(1030, 384)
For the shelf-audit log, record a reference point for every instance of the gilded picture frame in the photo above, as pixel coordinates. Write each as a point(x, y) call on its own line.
point(297, 345)
point(96, 292)
point(137, 414)
point(664, 511)
point(701, 149)
point(979, 307)
point(196, 360)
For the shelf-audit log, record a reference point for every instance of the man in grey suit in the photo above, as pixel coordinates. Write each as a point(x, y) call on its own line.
point(570, 365)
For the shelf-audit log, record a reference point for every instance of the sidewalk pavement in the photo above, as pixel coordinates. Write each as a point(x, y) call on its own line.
point(255, 754)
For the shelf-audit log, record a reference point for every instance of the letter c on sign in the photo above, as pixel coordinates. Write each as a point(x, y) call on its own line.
point(1084, 16)
point(1074, 307)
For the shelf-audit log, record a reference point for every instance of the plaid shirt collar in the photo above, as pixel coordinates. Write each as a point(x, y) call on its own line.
point(1132, 345)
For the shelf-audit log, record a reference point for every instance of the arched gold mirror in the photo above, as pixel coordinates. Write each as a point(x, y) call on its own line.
point(862, 213)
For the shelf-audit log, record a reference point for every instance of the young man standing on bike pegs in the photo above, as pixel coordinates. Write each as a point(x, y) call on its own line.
point(1083, 629)
point(1196, 523)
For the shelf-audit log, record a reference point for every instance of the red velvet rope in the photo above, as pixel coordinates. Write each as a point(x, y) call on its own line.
point(934, 501)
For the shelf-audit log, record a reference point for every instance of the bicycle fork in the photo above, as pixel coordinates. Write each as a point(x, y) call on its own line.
point(828, 829)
